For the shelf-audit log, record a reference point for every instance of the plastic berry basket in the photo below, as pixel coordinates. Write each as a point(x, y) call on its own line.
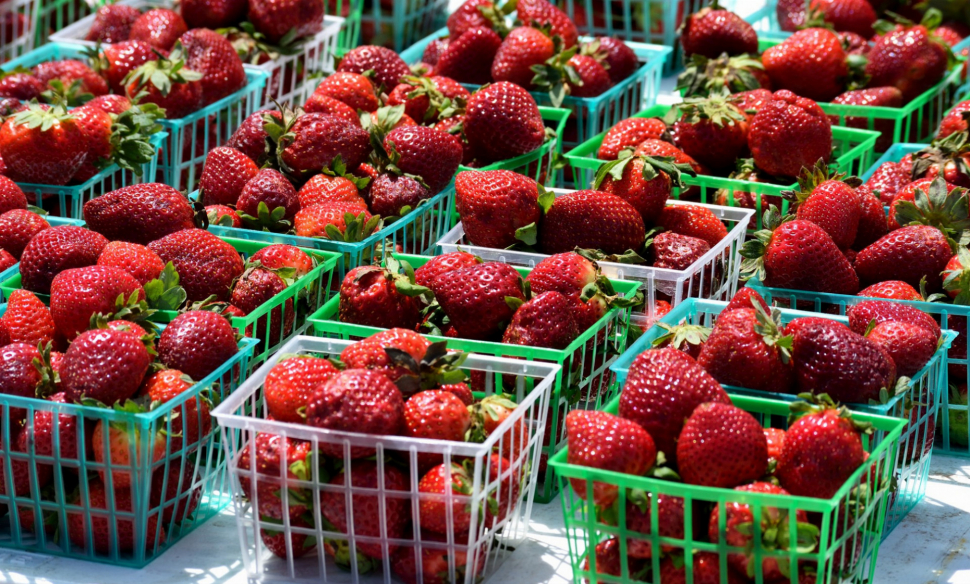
point(400, 24)
point(290, 77)
point(306, 295)
point(185, 485)
point(848, 541)
point(53, 15)
point(17, 37)
point(852, 154)
point(715, 275)
point(911, 466)
point(584, 381)
point(489, 542)
point(592, 115)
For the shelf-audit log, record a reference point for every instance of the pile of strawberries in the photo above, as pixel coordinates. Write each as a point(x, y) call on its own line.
point(393, 383)
point(542, 54)
point(674, 415)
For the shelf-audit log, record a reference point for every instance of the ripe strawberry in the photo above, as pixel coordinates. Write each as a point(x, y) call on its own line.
point(224, 175)
point(776, 441)
point(321, 104)
point(831, 359)
point(872, 219)
point(523, 48)
point(318, 140)
point(206, 264)
point(678, 252)
point(317, 220)
point(280, 255)
point(139, 213)
point(254, 288)
point(862, 314)
point(18, 377)
point(268, 201)
point(659, 148)
point(773, 520)
point(563, 227)
point(856, 16)
point(289, 384)
point(107, 365)
point(892, 290)
point(356, 400)
point(67, 429)
point(544, 13)
point(159, 27)
point(496, 207)
point(112, 23)
point(169, 84)
point(468, 58)
point(213, 14)
point(276, 19)
point(909, 346)
point(78, 294)
point(907, 57)
point(786, 121)
point(17, 228)
point(811, 63)
point(436, 415)
point(139, 261)
point(193, 420)
point(643, 181)
point(823, 448)
point(210, 54)
point(746, 348)
point(181, 495)
point(426, 152)
point(352, 89)
point(604, 441)
point(121, 443)
point(954, 120)
point(713, 131)
point(94, 527)
point(433, 507)
point(372, 296)
point(567, 273)
point(909, 254)
point(7, 261)
point(663, 388)
point(28, 320)
point(374, 515)
point(54, 250)
point(371, 353)
point(608, 561)
point(43, 146)
point(197, 343)
point(322, 189)
point(502, 121)
point(629, 133)
point(721, 446)
point(23, 86)
point(388, 67)
point(871, 96)
point(67, 71)
point(887, 179)
point(593, 78)
point(469, 15)
point(544, 321)
point(118, 60)
point(273, 453)
point(250, 137)
point(441, 264)
point(828, 202)
point(693, 221)
point(474, 298)
point(711, 31)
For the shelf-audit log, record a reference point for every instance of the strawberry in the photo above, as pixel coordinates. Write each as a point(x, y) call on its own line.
point(224, 175)
point(93, 528)
point(250, 137)
point(907, 57)
point(856, 16)
point(139, 213)
point(608, 561)
point(887, 179)
point(721, 446)
point(502, 121)
point(122, 440)
point(352, 89)
point(461, 391)
point(468, 58)
point(871, 96)
point(17, 228)
point(213, 14)
point(387, 66)
point(670, 519)
point(564, 226)
point(470, 14)
point(441, 264)
point(475, 298)
point(197, 343)
point(322, 189)
point(254, 288)
point(23, 86)
point(210, 54)
point(436, 415)
point(392, 196)
point(67, 71)
point(566, 273)
point(44, 428)
point(543, 13)
point(425, 98)
point(371, 353)
point(54, 250)
point(18, 377)
point(277, 19)
point(864, 313)
point(193, 420)
point(279, 255)
point(810, 63)
point(909, 254)
point(107, 365)
point(118, 60)
point(139, 261)
point(28, 320)
point(617, 57)
point(80, 293)
point(321, 104)
point(823, 448)
point(523, 48)
point(892, 290)
point(169, 84)
point(909, 346)
point(662, 388)
point(787, 121)
point(273, 453)
point(659, 149)
point(947, 158)
point(433, 507)
point(604, 441)
point(426, 152)
point(829, 202)
point(773, 520)
point(752, 101)
point(776, 441)
point(939, 206)
point(954, 121)
point(43, 146)
point(159, 27)
point(593, 78)
point(356, 400)
point(629, 133)
point(746, 348)
point(374, 515)
point(380, 297)
point(677, 252)
point(432, 53)
point(712, 131)
point(7, 261)
point(268, 201)
point(331, 221)
point(693, 221)
point(544, 321)
point(206, 264)
point(643, 181)
point(712, 31)
point(872, 219)
point(289, 384)
point(317, 139)
point(497, 207)
point(179, 490)
point(112, 23)
point(829, 358)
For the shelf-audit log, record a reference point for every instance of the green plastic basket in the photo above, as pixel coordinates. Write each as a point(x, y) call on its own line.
point(852, 154)
point(190, 473)
point(912, 465)
point(307, 294)
point(585, 380)
point(17, 37)
point(852, 537)
point(399, 24)
point(53, 15)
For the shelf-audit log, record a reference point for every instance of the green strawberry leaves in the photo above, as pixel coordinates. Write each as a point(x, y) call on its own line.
point(357, 228)
point(947, 211)
point(652, 167)
point(164, 292)
point(163, 73)
point(556, 75)
point(266, 219)
point(703, 75)
point(131, 133)
point(35, 117)
point(677, 335)
point(49, 377)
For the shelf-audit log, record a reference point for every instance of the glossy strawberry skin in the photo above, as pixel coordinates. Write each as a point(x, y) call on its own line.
point(388, 67)
point(871, 96)
point(276, 18)
point(494, 204)
point(123, 58)
point(112, 23)
point(289, 384)
point(860, 315)
point(371, 353)
point(629, 133)
point(502, 121)
point(563, 228)
point(595, 79)
point(352, 89)
point(693, 221)
point(523, 48)
point(436, 415)
point(872, 219)
point(909, 346)
point(716, 146)
point(908, 254)
point(810, 63)
point(27, 319)
point(833, 206)
point(55, 250)
point(427, 152)
point(449, 262)
point(953, 121)
point(736, 354)
point(250, 137)
point(224, 175)
point(468, 15)
point(42, 157)
point(197, 342)
point(677, 252)
point(567, 273)
point(270, 187)
point(907, 58)
point(18, 376)
point(821, 452)
point(80, 293)
point(139, 213)
point(309, 152)
point(17, 228)
point(23, 86)
point(887, 179)
point(159, 27)
point(474, 298)
point(544, 321)
point(789, 133)
point(104, 364)
point(69, 70)
point(468, 58)
point(712, 32)
point(721, 446)
point(212, 55)
point(802, 256)
point(206, 264)
point(213, 13)
point(312, 221)
point(369, 297)
point(543, 12)
point(892, 290)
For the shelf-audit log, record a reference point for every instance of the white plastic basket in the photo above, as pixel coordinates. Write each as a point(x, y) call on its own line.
point(720, 266)
point(17, 37)
point(242, 416)
point(292, 78)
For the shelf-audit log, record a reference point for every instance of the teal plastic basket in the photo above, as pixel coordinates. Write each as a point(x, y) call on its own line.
point(928, 386)
point(592, 115)
point(17, 37)
point(189, 138)
point(168, 497)
point(398, 24)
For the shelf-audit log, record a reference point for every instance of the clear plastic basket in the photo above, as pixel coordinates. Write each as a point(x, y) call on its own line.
point(243, 415)
point(17, 37)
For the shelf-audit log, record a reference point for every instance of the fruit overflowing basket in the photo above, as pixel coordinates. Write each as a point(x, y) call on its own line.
point(547, 321)
point(451, 486)
point(911, 383)
point(291, 66)
point(126, 472)
point(17, 19)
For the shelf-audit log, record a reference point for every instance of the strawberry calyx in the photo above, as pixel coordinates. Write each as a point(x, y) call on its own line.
point(811, 403)
point(495, 408)
point(717, 107)
point(49, 377)
point(338, 168)
point(811, 178)
point(164, 292)
point(529, 234)
point(593, 49)
point(770, 329)
point(754, 249)
point(440, 105)
point(279, 135)
point(339, 550)
point(602, 291)
point(948, 211)
point(775, 535)
point(100, 321)
point(131, 132)
point(163, 72)
point(266, 219)
point(253, 47)
point(556, 75)
point(44, 118)
point(652, 167)
point(438, 367)
point(404, 280)
point(703, 75)
point(70, 96)
point(953, 148)
point(680, 334)
point(815, 18)
point(497, 16)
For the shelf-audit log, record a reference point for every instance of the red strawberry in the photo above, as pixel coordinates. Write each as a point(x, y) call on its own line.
point(352, 89)
point(388, 67)
point(544, 13)
point(67, 71)
point(28, 320)
point(659, 148)
point(907, 57)
point(712, 131)
point(829, 203)
point(496, 207)
point(268, 201)
point(823, 448)
point(318, 140)
point(887, 180)
point(224, 175)
point(593, 78)
point(544, 321)
point(273, 453)
point(375, 514)
point(254, 288)
point(746, 348)
point(474, 298)
point(810, 63)
point(371, 296)
point(502, 121)
point(120, 59)
point(206, 264)
point(289, 384)
point(356, 400)
point(892, 290)
point(276, 19)
point(523, 48)
point(786, 121)
point(177, 483)
point(392, 195)
point(107, 365)
point(954, 120)
point(213, 13)
point(371, 353)
point(43, 146)
point(94, 528)
point(197, 343)
point(193, 421)
point(433, 507)
point(563, 227)
point(909, 346)
point(322, 189)
point(860, 315)
point(872, 96)
point(468, 58)
point(424, 98)
point(169, 84)
point(54, 250)
point(663, 388)
point(609, 561)
point(433, 52)
point(17, 228)
point(855, 16)
point(567, 273)
point(18, 377)
point(250, 137)
point(909, 254)
point(313, 221)
point(80, 293)
point(159, 27)
point(721, 446)
point(711, 32)
point(426, 152)
point(137, 260)
point(629, 133)
point(441, 264)
point(210, 54)
point(139, 213)
point(776, 441)
point(604, 441)
point(67, 429)
point(678, 252)
point(693, 221)
point(436, 415)
point(280, 255)
point(872, 219)
point(23, 86)
point(469, 15)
